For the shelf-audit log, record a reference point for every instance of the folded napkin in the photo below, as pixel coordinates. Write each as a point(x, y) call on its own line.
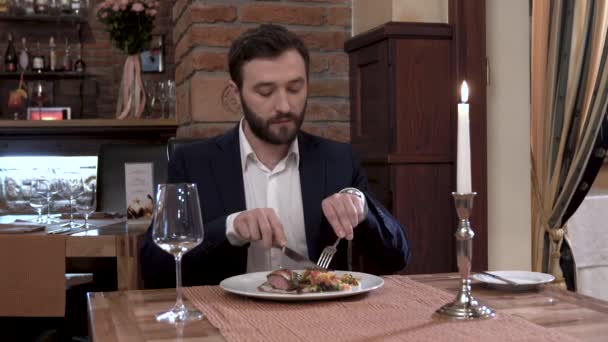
point(19, 228)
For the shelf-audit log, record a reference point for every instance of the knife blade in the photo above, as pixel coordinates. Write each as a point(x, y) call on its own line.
point(297, 257)
point(503, 279)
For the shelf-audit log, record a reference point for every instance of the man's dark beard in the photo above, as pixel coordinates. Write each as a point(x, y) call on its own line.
point(261, 128)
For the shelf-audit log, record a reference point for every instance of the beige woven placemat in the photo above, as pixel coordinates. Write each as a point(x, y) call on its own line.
point(400, 311)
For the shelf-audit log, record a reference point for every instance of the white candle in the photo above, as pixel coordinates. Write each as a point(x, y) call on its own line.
point(463, 162)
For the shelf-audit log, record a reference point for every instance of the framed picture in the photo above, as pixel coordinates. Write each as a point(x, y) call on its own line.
point(152, 60)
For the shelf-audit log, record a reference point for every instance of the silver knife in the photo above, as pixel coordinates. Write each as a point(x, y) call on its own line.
point(297, 257)
point(503, 279)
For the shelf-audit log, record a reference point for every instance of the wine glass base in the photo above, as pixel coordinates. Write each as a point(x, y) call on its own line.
point(52, 220)
point(176, 316)
point(71, 225)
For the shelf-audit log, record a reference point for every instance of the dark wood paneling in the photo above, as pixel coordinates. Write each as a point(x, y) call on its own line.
point(422, 201)
point(422, 76)
point(369, 96)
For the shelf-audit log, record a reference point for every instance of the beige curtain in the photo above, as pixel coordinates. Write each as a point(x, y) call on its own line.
point(569, 97)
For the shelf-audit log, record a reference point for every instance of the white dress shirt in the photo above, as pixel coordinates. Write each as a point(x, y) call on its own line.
point(280, 190)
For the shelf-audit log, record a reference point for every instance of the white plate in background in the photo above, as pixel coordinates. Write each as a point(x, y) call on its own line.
point(524, 279)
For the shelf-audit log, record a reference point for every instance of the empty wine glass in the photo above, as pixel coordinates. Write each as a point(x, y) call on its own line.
point(39, 95)
point(48, 185)
point(71, 187)
point(177, 228)
point(38, 199)
point(150, 88)
point(163, 96)
point(86, 202)
point(171, 98)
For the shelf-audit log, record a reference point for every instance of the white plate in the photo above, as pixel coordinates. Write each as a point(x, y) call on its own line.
point(247, 285)
point(525, 279)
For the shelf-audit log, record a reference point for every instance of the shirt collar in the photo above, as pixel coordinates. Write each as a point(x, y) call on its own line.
point(248, 154)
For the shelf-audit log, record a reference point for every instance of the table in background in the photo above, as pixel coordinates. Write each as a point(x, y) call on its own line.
point(115, 238)
point(129, 315)
point(588, 234)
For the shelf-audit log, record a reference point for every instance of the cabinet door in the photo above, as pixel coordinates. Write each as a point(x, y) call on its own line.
point(369, 89)
point(423, 93)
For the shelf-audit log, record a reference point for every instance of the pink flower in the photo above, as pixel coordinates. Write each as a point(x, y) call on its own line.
point(151, 12)
point(115, 7)
point(104, 14)
point(124, 2)
point(137, 7)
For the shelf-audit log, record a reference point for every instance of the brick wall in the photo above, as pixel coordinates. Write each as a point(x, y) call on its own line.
point(203, 31)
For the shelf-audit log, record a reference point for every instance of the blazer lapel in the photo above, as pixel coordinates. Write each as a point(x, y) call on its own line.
point(228, 173)
point(312, 181)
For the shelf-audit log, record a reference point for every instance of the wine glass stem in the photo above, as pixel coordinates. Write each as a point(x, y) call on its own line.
point(86, 221)
point(71, 211)
point(179, 304)
point(48, 209)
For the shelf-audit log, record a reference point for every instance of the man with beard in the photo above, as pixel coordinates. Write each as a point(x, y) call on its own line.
point(266, 184)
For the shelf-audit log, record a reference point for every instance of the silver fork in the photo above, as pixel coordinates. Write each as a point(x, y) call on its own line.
point(327, 254)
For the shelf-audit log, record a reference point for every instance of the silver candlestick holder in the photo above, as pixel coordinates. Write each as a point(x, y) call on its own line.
point(465, 306)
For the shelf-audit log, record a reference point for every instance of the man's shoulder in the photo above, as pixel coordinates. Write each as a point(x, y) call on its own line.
point(325, 145)
point(205, 147)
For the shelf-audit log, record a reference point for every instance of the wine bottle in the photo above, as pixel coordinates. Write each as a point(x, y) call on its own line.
point(52, 55)
point(41, 6)
point(76, 7)
point(10, 56)
point(29, 6)
point(66, 7)
point(79, 65)
point(67, 58)
point(24, 55)
point(38, 59)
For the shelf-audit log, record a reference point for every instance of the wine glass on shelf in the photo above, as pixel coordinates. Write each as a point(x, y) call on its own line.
point(39, 95)
point(86, 202)
point(163, 96)
point(171, 98)
point(151, 100)
point(177, 228)
point(71, 187)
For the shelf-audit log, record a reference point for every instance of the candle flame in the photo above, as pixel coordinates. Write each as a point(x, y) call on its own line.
point(464, 92)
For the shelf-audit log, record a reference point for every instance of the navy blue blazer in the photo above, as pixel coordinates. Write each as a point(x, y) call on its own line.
point(326, 167)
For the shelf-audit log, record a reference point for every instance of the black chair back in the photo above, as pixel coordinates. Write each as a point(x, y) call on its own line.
point(175, 143)
point(111, 195)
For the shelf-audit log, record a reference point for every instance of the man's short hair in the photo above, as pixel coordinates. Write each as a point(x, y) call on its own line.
point(264, 41)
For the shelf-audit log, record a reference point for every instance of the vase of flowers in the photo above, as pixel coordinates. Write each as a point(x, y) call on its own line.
point(130, 24)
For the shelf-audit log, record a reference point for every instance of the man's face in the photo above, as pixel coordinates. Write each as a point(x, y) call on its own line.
point(273, 96)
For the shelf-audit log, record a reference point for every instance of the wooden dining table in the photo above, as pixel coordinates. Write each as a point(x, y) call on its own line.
point(129, 315)
point(110, 238)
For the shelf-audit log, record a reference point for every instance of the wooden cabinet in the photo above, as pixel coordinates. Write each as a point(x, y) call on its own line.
point(403, 126)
